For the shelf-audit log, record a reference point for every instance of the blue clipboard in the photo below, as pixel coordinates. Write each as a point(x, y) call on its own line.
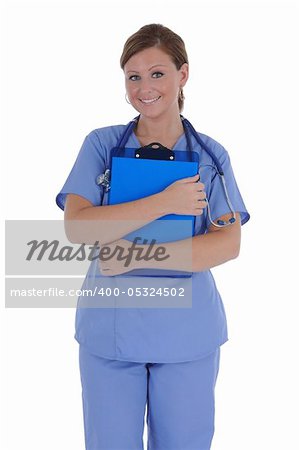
point(138, 173)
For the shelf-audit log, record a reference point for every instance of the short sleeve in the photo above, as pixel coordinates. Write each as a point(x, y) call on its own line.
point(89, 164)
point(217, 198)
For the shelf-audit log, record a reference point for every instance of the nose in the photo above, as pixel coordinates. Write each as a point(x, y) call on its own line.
point(145, 85)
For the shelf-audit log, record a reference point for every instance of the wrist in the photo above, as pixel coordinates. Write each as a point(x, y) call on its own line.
point(161, 203)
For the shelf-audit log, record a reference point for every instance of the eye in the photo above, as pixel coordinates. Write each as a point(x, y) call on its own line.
point(158, 74)
point(133, 77)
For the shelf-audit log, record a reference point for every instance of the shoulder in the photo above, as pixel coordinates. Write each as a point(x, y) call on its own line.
point(106, 135)
point(214, 145)
point(218, 150)
point(100, 141)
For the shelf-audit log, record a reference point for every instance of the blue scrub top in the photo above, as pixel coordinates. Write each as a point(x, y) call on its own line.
point(151, 334)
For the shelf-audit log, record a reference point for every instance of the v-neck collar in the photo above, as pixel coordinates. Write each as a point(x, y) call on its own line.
point(177, 144)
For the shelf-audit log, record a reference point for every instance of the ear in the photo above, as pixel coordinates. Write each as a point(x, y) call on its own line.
point(184, 74)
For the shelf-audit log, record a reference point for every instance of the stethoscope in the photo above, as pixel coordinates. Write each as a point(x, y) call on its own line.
point(188, 128)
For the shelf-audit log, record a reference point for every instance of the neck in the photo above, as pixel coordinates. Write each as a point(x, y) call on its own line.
point(166, 126)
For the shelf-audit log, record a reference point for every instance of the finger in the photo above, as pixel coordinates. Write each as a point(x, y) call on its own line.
point(199, 189)
point(197, 212)
point(189, 179)
point(201, 204)
point(201, 195)
point(104, 271)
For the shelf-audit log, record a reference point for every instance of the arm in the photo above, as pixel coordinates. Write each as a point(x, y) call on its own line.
point(208, 250)
point(218, 246)
point(85, 223)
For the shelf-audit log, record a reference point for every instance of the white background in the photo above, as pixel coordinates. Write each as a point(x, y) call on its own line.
point(61, 80)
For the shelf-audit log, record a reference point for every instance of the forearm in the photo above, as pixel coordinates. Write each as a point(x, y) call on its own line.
point(105, 224)
point(196, 254)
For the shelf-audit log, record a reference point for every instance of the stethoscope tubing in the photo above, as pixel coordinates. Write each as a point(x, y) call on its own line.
point(189, 127)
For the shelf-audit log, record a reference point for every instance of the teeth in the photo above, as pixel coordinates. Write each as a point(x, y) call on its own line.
point(152, 100)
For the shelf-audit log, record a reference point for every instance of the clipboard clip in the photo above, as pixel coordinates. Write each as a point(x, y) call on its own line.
point(155, 150)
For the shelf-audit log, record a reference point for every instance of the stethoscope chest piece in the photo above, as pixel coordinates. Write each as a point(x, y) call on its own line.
point(104, 180)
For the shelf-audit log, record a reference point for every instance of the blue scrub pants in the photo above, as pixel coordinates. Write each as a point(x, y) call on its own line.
point(179, 399)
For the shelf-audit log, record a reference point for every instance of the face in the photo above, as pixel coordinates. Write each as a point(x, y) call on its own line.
point(153, 82)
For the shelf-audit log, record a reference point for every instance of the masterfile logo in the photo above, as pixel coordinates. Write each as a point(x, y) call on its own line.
point(45, 269)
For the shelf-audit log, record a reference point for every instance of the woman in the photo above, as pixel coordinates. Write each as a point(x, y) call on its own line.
point(164, 358)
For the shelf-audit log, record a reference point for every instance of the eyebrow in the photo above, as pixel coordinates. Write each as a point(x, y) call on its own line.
point(156, 65)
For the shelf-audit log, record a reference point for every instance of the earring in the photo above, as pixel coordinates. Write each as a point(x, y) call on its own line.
point(127, 99)
point(181, 95)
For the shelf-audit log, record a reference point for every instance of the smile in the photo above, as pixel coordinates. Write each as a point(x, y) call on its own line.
point(150, 101)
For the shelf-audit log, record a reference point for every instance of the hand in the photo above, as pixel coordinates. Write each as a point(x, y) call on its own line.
point(115, 264)
point(185, 196)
